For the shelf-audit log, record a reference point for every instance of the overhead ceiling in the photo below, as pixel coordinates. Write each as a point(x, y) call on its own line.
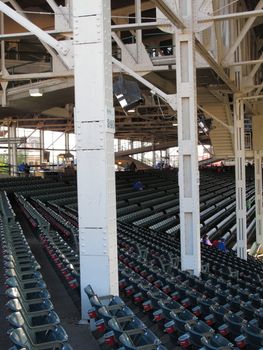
point(146, 124)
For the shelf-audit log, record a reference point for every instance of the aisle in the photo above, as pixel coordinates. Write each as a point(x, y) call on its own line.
point(80, 337)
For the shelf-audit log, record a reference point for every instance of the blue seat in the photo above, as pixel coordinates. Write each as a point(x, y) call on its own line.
point(32, 308)
point(54, 339)
point(179, 320)
point(253, 335)
point(216, 341)
point(19, 318)
point(125, 324)
point(195, 330)
point(216, 318)
point(140, 340)
point(232, 325)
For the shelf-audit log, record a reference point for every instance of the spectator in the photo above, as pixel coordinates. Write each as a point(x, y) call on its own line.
point(221, 245)
point(137, 186)
point(215, 243)
point(133, 167)
point(27, 170)
point(21, 168)
point(205, 240)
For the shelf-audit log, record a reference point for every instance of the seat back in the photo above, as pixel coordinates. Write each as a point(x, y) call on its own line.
point(19, 338)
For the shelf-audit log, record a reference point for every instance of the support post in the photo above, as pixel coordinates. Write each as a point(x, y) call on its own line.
point(240, 178)
point(42, 145)
point(187, 142)
point(94, 128)
point(12, 150)
point(258, 196)
point(138, 14)
point(67, 150)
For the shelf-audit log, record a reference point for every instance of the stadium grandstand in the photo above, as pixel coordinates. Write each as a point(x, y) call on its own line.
point(131, 214)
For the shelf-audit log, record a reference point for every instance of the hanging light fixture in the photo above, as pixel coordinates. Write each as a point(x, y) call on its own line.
point(35, 92)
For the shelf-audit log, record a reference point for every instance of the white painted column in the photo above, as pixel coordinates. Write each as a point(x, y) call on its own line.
point(258, 196)
point(153, 153)
point(12, 150)
point(42, 145)
point(67, 142)
point(187, 142)
point(119, 145)
point(138, 14)
point(240, 175)
point(94, 128)
point(142, 155)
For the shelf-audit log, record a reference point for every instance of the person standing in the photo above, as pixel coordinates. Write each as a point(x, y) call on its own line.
point(133, 167)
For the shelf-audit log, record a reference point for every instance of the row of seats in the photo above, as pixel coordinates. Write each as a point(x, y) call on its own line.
point(35, 325)
point(118, 325)
point(61, 254)
point(224, 301)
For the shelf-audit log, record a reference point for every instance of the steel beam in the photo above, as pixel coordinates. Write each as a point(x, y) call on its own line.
point(170, 99)
point(138, 26)
point(168, 10)
point(241, 35)
point(258, 196)
point(214, 65)
point(187, 143)
point(229, 16)
point(94, 128)
point(240, 178)
point(42, 35)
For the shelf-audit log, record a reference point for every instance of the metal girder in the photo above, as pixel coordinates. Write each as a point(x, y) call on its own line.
point(255, 68)
point(62, 48)
point(11, 36)
point(228, 127)
point(137, 26)
point(168, 11)
point(170, 99)
point(241, 35)
point(229, 16)
point(42, 35)
point(215, 66)
point(243, 63)
point(157, 146)
point(30, 76)
point(53, 5)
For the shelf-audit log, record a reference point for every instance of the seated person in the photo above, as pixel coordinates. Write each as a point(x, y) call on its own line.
point(137, 186)
point(222, 245)
point(206, 240)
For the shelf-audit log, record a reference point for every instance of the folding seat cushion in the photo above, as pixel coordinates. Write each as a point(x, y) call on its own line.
point(46, 321)
point(38, 296)
point(26, 286)
point(216, 341)
point(30, 308)
point(197, 330)
point(55, 338)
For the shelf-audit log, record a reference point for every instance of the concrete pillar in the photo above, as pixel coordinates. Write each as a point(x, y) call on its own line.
point(94, 128)
point(240, 175)
point(187, 141)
